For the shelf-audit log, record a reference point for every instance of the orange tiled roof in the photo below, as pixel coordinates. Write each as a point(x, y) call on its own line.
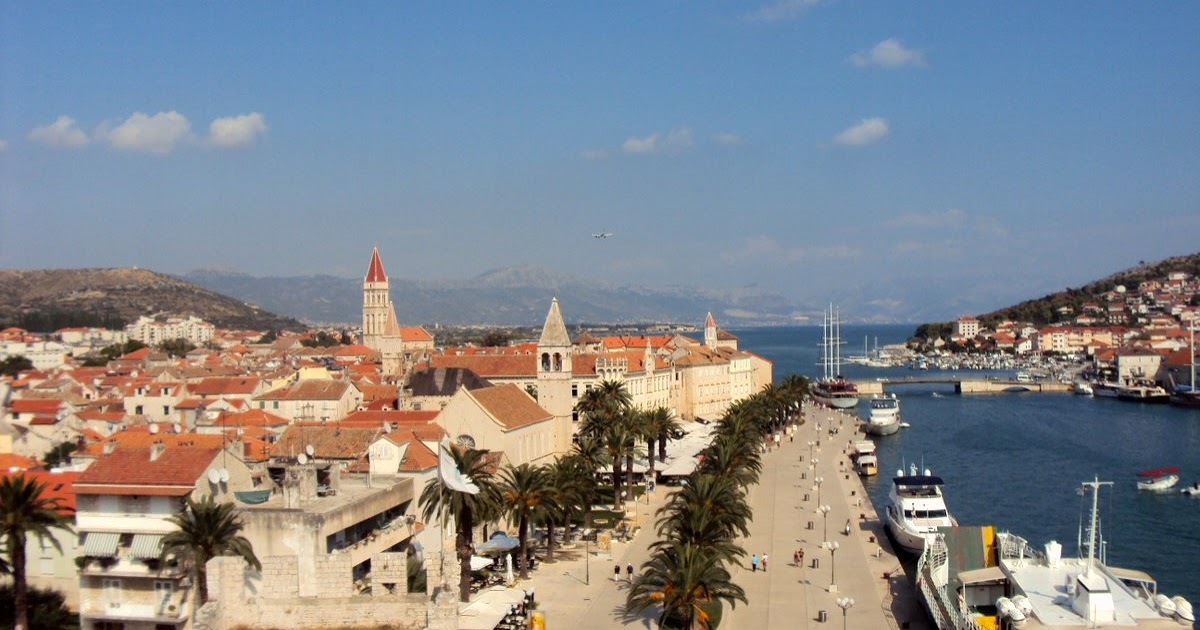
point(251, 418)
point(225, 386)
point(491, 366)
point(328, 441)
point(130, 470)
point(12, 461)
point(36, 405)
point(141, 437)
point(59, 485)
point(415, 333)
point(510, 406)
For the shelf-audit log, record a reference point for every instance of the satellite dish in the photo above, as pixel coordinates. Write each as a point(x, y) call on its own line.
point(224, 473)
point(309, 450)
point(302, 458)
point(387, 428)
point(213, 475)
point(178, 429)
point(153, 428)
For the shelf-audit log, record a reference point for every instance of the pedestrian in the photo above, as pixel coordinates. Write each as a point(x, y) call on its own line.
point(617, 572)
point(847, 527)
point(629, 570)
point(764, 563)
point(791, 436)
point(800, 558)
point(754, 563)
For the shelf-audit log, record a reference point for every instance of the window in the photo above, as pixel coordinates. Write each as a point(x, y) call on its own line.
point(166, 410)
point(137, 410)
point(112, 592)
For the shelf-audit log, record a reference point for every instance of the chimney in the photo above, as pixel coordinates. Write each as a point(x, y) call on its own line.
point(157, 449)
point(110, 446)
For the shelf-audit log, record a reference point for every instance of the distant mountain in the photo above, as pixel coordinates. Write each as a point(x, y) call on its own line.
point(508, 296)
point(55, 298)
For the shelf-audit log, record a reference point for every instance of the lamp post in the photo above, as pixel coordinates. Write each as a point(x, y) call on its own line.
point(833, 547)
point(811, 444)
point(818, 481)
point(845, 603)
point(824, 509)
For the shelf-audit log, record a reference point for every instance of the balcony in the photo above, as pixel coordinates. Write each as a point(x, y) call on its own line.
point(153, 613)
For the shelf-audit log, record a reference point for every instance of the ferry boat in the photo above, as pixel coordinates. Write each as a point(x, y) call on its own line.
point(833, 389)
point(917, 508)
point(974, 578)
point(885, 416)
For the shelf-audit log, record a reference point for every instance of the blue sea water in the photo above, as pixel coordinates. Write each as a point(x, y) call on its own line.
point(1016, 460)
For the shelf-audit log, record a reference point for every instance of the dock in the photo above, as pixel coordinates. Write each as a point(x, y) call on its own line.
point(578, 591)
point(965, 385)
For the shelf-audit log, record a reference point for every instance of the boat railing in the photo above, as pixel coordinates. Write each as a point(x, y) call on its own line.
point(947, 610)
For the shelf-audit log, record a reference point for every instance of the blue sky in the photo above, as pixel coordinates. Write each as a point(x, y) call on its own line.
point(879, 153)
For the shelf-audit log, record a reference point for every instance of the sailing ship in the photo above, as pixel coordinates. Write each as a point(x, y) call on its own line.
point(833, 389)
point(1189, 396)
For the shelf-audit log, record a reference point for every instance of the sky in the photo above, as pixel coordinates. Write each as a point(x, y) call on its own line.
point(888, 154)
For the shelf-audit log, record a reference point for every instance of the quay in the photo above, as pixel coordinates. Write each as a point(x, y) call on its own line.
point(966, 386)
point(578, 591)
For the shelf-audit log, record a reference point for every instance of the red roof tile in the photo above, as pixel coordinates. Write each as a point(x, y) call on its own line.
point(59, 485)
point(510, 406)
point(179, 467)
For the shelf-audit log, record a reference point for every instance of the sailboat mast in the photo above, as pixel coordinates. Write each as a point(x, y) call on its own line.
point(1094, 518)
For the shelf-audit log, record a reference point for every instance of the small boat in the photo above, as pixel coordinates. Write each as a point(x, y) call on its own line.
point(1158, 479)
point(866, 463)
point(1165, 606)
point(1193, 489)
point(1183, 610)
point(1104, 389)
point(1082, 388)
point(1143, 391)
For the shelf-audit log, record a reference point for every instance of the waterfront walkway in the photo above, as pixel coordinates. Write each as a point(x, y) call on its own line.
point(786, 518)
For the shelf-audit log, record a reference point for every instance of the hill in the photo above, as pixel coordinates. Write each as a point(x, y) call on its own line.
point(44, 300)
point(1045, 310)
point(509, 296)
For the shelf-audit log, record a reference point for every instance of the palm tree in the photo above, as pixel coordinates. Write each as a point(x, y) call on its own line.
point(207, 529)
point(591, 454)
point(682, 579)
point(663, 426)
point(619, 441)
point(635, 422)
point(718, 496)
point(523, 491)
point(441, 504)
point(602, 406)
point(24, 510)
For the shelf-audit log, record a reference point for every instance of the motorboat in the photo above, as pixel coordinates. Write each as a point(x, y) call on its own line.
point(1082, 388)
point(1143, 391)
point(1104, 389)
point(833, 389)
point(866, 463)
point(885, 416)
point(1158, 479)
point(1193, 489)
point(972, 577)
point(917, 508)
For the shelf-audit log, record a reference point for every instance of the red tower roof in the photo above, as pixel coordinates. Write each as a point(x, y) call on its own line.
point(375, 272)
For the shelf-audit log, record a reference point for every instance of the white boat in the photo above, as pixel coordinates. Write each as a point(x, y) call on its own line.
point(1143, 391)
point(1183, 609)
point(866, 463)
point(1158, 479)
point(1105, 389)
point(917, 509)
point(1082, 388)
point(885, 416)
point(1193, 489)
point(973, 577)
point(833, 389)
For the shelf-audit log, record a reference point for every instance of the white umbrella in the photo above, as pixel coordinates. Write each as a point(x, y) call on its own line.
point(479, 562)
point(508, 572)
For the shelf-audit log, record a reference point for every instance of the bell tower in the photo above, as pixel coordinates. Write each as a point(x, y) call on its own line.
point(554, 376)
point(375, 300)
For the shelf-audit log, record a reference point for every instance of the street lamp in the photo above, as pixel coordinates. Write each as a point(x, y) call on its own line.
point(824, 509)
point(833, 547)
point(818, 481)
point(845, 603)
point(811, 444)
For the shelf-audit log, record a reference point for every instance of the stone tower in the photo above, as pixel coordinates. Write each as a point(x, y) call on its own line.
point(710, 332)
point(554, 376)
point(381, 329)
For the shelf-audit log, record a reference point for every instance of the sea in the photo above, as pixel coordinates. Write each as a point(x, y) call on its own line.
point(1016, 460)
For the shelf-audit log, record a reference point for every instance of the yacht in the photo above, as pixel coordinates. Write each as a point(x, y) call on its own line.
point(885, 416)
point(1158, 479)
point(917, 508)
point(1143, 391)
point(866, 463)
point(972, 577)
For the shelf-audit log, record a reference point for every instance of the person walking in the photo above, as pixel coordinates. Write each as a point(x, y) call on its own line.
point(617, 572)
point(764, 563)
point(629, 571)
point(754, 563)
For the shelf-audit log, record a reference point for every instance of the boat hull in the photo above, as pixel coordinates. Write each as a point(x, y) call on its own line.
point(837, 401)
point(907, 540)
point(1159, 484)
point(879, 428)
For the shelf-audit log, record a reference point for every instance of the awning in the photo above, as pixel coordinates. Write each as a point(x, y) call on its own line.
point(100, 544)
point(986, 574)
point(146, 546)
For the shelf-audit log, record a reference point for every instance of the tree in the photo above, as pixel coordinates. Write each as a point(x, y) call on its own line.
point(207, 529)
point(47, 610)
point(524, 490)
point(661, 426)
point(442, 504)
point(177, 347)
point(60, 453)
point(118, 350)
point(24, 510)
point(14, 365)
point(682, 579)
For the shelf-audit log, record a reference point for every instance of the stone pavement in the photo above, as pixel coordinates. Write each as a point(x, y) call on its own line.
point(786, 518)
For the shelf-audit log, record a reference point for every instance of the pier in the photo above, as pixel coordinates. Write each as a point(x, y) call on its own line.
point(965, 386)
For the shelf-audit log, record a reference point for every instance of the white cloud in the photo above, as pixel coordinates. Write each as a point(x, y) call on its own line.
point(649, 144)
point(234, 132)
point(594, 154)
point(766, 248)
point(159, 133)
point(959, 231)
point(889, 53)
point(63, 132)
point(782, 10)
point(728, 139)
point(677, 139)
point(868, 131)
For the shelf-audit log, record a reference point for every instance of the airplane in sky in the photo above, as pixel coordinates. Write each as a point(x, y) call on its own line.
point(602, 235)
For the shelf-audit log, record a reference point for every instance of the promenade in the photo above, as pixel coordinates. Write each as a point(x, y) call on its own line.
point(786, 518)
